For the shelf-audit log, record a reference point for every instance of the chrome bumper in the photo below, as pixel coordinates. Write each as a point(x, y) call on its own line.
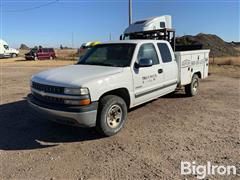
point(82, 119)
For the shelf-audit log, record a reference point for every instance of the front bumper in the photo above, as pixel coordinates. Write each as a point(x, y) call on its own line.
point(84, 116)
point(29, 57)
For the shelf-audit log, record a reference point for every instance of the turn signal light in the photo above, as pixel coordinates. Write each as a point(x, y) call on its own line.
point(85, 102)
point(78, 102)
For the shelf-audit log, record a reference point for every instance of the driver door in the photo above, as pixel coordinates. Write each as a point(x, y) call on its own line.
point(6, 50)
point(147, 80)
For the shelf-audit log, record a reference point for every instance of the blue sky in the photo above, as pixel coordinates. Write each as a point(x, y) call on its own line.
point(56, 23)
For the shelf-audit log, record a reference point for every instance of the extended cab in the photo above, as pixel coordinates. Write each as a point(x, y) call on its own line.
point(112, 78)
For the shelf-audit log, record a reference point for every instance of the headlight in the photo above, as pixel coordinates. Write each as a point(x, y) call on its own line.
point(76, 91)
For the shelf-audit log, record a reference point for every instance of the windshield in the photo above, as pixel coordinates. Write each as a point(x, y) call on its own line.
point(116, 55)
point(34, 50)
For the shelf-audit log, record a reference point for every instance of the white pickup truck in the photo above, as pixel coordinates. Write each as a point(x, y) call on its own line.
point(112, 78)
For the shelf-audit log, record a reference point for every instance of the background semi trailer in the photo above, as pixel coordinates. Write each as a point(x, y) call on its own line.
point(6, 51)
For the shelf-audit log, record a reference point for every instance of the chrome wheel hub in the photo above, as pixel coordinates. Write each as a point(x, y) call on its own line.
point(195, 86)
point(114, 116)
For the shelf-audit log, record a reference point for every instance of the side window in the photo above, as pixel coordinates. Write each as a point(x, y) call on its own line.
point(148, 51)
point(165, 52)
point(162, 25)
point(6, 47)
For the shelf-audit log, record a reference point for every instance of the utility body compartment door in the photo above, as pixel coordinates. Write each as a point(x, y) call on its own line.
point(185, 70)
point(206, 65)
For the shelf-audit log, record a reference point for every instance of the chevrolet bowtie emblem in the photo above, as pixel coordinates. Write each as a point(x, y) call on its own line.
point(42, 93)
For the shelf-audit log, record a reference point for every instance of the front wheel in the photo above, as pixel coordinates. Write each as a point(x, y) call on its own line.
point(192, 88)
point(112, 114)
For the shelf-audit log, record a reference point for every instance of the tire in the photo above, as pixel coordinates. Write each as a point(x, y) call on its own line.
point(51, 58)
point(13, 55)
point(112, 114)
point(192, 88)
point(35, 58)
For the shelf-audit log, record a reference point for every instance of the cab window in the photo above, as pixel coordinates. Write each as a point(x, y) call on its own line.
point(6, 47)
point(165, 52)
point(162, 25)
point(148, 51)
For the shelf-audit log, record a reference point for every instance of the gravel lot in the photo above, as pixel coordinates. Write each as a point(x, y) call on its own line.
point(156, 138)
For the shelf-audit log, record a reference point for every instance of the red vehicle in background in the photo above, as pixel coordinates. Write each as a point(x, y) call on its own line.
point(40, 54)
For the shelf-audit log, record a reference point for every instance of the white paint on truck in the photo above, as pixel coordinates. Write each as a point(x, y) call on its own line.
point(190, 62)
point(107, 87)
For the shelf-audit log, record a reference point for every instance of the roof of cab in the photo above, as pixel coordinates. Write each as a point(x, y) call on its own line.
point(135, 41)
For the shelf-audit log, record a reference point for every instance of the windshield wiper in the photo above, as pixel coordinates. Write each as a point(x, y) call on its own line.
point(99, 64)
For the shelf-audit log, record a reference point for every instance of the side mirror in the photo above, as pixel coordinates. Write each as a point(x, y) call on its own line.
point(144, 62)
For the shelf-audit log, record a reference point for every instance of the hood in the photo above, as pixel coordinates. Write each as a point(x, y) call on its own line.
point(74, 75)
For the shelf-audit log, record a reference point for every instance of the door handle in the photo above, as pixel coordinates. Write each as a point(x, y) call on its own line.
point(160, 71)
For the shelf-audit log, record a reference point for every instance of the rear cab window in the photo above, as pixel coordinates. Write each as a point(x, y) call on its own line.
point(45, 50)
point(165, 52)
point(51, 50)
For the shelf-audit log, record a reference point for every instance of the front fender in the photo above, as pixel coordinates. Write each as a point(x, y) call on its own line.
point(103, 85)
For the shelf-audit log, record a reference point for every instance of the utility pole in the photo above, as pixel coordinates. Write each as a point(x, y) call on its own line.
point(130, 11)
point(110, 36)
point(72, 40)
point(72, 46)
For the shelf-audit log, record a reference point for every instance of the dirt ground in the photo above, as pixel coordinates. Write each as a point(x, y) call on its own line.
point(156, 138)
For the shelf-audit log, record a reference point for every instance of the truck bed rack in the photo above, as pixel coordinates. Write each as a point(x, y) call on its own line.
point(192, 47)
point(158, 34)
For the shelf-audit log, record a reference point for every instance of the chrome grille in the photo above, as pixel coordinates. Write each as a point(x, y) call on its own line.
point(48, 99)
point(48, 88)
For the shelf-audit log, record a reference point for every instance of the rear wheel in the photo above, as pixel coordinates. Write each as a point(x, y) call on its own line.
point(112, 114)
point(192, 88)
